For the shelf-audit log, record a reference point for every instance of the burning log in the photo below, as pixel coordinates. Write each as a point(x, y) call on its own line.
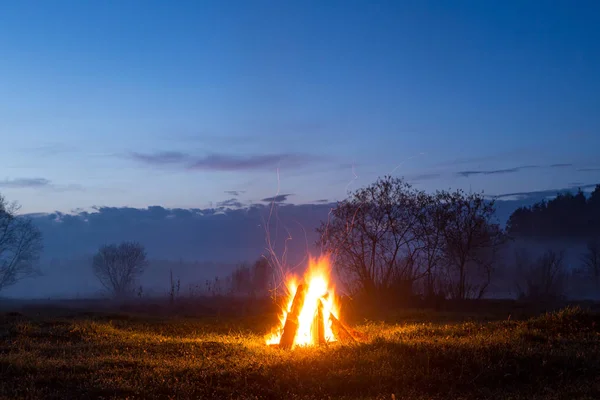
point(318, 326)
point(339, 330)
point(291, 322)
point(313, 315)
point(320, 323)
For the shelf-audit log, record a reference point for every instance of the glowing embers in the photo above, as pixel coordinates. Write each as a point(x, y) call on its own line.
point(311, 316)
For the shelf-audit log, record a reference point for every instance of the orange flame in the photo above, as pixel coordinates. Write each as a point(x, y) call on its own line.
point(319, 288)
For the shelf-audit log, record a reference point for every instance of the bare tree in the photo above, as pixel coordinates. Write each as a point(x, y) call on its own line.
point(471, 242)
point(371, 236)
point(260, 276)
point(430, 231)
point(388, 236)
point(250, 280)
point(118, 267)
point(20, 245)
point(542, 280)
point(241, 280)
point(591, 261)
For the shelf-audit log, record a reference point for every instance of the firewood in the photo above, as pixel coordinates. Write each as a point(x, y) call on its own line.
point(290, 327)
point(314, 328)
point(320, 323)
point(339, 330)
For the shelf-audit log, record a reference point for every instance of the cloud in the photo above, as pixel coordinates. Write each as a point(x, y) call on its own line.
point(37, 183)
point(280, 198)
point(235, 192)
point(50, 149)
point(544, 193)
point(560, 165)
point(20, 183)
point(588, 169)
point(224, 162)
point(230, 203)
point(160, 158)
point(321, 201)
point(210, 241)
point(211, 234)
point(422, 177)
point(466, 174)
point(511, 154)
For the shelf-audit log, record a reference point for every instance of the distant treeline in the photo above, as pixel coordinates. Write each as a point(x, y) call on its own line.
point(567, 215)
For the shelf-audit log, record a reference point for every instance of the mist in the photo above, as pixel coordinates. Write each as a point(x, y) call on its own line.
point(196, 245)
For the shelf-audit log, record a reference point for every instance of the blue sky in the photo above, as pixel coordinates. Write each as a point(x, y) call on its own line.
point(180, 104)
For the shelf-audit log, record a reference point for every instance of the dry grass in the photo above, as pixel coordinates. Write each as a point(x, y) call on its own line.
point(119, 356)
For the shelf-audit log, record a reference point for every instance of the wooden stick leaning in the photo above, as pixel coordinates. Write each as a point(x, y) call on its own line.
point(339, 330)
point(320, 323)
point(290, 328)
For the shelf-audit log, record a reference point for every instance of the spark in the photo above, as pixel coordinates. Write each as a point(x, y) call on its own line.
point(276, 263)
point(351, 181)
point(280, 263)
point(405, 161)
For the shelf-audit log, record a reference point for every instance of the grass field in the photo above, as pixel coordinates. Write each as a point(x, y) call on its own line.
point(102, 355)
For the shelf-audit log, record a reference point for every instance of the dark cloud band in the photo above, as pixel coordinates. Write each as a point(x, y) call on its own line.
point(224, 162)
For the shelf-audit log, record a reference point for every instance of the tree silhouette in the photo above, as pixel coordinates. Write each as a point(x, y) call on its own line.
point(117, 267)
point(372, 236)
point(542, 280)
point(471, 242)
point(261, 271)
point(430, 231)
point(591, 261)
point(20, 245)
point(387, 236)
point(251, 279)
point(567, 215)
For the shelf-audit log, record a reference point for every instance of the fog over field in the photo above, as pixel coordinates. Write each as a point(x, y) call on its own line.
point(196, 244)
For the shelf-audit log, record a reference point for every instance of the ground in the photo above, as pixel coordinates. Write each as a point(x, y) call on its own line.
point(414, 355)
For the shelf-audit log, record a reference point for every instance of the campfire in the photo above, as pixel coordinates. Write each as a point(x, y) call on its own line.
point(312, 315)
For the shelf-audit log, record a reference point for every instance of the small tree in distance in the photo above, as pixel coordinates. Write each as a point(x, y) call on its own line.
point(591, 261)
point(118, 267)
point(20, 245)
point(251, 280)
point(543, 279)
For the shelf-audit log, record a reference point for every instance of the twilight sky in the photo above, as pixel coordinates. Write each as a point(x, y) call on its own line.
point(194, 103)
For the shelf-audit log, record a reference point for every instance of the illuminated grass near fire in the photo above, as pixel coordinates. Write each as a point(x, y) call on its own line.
point(118, 356)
